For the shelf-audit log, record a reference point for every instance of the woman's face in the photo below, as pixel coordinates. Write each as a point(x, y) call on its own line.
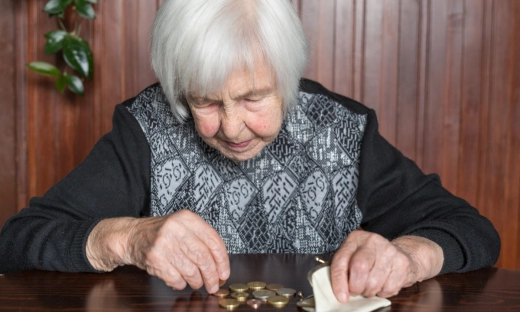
point(243, 118)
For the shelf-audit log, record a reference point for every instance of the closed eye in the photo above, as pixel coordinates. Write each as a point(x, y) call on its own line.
point(203, 104)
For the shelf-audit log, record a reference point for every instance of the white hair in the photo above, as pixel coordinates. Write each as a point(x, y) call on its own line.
point(197, 44)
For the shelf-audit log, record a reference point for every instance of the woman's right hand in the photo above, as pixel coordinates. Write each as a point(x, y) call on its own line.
point(180, 248)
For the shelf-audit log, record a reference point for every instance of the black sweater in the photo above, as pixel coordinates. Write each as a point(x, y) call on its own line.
point(393, 197)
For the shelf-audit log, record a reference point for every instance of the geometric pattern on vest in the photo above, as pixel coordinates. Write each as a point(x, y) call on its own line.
point(298, 195)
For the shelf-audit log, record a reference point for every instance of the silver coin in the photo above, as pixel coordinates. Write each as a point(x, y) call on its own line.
point(286, 292)
point(263, 294)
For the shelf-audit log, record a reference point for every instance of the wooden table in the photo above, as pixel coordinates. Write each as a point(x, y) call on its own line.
point(130, 289)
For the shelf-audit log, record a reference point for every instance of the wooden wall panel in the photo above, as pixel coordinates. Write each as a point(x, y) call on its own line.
point(108, 51)
point(513, 158)
point(504, 51)
point(471, 103)
point(442, 75)
point(318, 23)
point(408, 88)
point(8, 111)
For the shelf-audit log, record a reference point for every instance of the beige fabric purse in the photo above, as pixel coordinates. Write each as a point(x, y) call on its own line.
point(326, 301)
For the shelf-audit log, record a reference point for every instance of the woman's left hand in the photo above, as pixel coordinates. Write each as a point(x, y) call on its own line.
point(368, 264)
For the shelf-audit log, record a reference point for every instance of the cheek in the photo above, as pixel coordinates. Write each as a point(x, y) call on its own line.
point(207, 127)
point(266, 125)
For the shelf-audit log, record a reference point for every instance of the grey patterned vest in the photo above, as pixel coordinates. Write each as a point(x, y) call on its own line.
point(298, 195)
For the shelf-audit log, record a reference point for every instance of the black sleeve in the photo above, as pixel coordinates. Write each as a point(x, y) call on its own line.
point(113, 181)
point(398, 199)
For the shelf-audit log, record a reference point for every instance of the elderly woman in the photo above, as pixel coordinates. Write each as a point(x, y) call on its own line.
point(232, 152)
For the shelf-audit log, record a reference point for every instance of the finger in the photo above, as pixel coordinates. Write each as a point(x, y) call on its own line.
point(200, 266)
point(205, 248)
point(392, 285)
point(171, 277)
point(377, 277)
point(339, 270)
point(170, 258)
point(156, 264)
point(398, 276)
point(189, 271)
point(361, 265)
point(217, 249)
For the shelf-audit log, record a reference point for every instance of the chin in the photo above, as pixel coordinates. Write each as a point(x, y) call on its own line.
point(240, 156)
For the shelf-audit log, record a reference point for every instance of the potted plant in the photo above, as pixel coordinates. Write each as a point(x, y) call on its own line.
point(75, 51)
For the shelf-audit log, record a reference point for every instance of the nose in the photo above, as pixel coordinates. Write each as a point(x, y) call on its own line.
point(232, 123)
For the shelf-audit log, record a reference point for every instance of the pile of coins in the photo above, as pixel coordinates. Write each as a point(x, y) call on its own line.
point(254, 294)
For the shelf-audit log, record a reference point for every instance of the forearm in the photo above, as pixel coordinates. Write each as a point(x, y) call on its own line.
point(468, 240)
point(32, 239)
point(426, 255)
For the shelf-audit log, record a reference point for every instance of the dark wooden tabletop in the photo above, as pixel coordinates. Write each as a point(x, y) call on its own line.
point(130, 289)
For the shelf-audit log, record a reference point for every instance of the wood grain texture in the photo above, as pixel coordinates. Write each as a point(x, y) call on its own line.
point(8, 126)
point(130, 289)
point(408, 88)
point(442, 75)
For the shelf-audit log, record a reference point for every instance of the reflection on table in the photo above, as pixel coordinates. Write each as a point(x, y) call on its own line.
point(130, 289)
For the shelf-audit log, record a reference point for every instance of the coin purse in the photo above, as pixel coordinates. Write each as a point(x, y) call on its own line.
point(325, 300)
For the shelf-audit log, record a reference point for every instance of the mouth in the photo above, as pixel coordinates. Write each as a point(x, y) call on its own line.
point(239, 145)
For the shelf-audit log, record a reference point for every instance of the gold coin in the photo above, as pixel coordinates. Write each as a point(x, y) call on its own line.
point(263, 294)
point(238, 287)
point(221, 293)
point(229, 304)
point(256, 285)
point(240, 296)
point(221, 282)
point(278, 301)
point(254, 303)
point(286, 292)
point(273, 286)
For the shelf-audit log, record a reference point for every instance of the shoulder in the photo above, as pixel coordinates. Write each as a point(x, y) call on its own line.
point(315, 88)
point(151, 109)
point(321, 104)
point(151, 99)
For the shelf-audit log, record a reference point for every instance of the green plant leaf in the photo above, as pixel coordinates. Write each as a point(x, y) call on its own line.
point(61, 83)
point(54, 41)
point(56, 7)
point(78, 55)
point(92, 1)
point(74, 83)
point(44, 68)
point(85, 9)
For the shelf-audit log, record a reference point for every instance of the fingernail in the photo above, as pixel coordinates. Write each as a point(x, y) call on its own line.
point(342, 297)
point(213, 289)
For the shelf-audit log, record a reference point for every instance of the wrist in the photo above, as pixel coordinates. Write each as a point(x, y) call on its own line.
point(426, 255)
point(107, 244)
